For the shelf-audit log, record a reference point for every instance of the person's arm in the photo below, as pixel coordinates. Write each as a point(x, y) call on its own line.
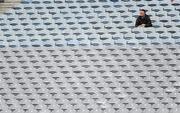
point(148, 24)
point(137, 22)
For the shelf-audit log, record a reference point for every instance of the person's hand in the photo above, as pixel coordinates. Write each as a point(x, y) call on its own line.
point(142, 25)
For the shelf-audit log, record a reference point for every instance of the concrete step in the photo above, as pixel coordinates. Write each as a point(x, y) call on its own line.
point(8, 4)
point(12, 1)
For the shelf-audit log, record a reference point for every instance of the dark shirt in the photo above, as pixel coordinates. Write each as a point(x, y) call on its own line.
point(143, 20)
point(1, 1)
point(114, 0)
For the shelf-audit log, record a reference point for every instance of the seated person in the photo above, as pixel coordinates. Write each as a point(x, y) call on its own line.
point(143, 20)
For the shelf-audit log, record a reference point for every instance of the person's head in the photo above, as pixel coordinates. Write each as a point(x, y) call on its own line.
point(142, 12)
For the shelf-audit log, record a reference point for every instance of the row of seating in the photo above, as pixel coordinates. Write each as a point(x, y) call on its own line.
point(129, 39)
point(118, 4)
point(71, 21)
point(92, 80)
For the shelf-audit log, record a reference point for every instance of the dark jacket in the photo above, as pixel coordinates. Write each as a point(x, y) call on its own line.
point(144, 20)
point(114, 0)
point(1, 1)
